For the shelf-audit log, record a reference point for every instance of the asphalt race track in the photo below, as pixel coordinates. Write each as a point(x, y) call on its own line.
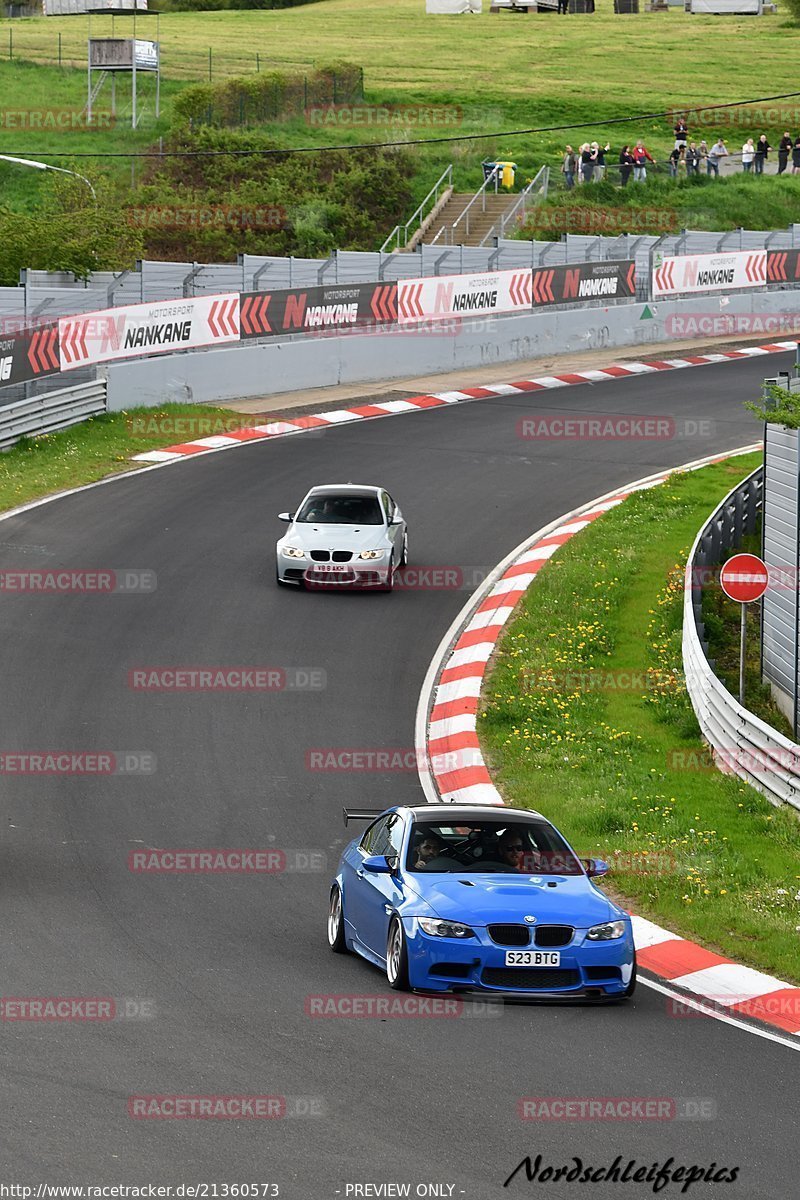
point(226, 962)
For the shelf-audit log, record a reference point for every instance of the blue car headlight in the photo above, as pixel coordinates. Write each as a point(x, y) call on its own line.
point(607, 932)
point(452, 929)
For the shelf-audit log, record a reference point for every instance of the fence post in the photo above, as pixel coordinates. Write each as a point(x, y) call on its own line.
point(209, 64)
point(59, 50)
point(258, 62)
point(10, 44)
point(334, 87)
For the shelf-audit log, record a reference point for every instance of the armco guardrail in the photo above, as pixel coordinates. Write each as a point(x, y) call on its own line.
point(742, 744)
point(56, 410)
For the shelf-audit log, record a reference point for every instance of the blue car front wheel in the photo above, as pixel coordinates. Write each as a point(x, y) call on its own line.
point(336, 922)
point(397, 957)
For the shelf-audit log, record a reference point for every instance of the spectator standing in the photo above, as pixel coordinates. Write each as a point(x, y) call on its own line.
point(626, 161)
point(784, 149)
point(748, 155)
point(600, 165)
point(692, 159)
point(762, 152)
point(681, 133)
point(569, 167)
point(674, 159)
point(641, 157)
point(718, 150)
point(702, 155)
point(588, 159)
point(796, 157)
point(563, 6)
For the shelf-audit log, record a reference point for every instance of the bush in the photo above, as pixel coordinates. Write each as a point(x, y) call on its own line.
point(255, 99)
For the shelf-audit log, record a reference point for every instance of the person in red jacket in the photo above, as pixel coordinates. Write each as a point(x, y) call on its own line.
point(641, 157)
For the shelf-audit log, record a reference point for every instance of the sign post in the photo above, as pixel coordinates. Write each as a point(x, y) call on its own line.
point(744, 578)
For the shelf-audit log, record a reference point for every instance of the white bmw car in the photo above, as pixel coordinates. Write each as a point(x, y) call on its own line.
point(343, 535)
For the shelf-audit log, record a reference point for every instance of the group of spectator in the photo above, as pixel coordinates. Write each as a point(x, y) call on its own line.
point(588, 163)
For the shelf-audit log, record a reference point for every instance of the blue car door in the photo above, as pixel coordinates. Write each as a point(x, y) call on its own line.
point(372, 897)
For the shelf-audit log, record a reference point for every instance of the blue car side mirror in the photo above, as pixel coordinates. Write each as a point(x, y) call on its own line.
point(595, 867)
point(378, 864)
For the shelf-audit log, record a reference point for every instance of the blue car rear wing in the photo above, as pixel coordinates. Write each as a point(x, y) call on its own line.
point(361, 814)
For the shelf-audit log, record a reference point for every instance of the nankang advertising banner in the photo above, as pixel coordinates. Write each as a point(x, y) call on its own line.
point(581, 282)
point(141, 329)
point(463, 295)
point(29, 354)
point(309, 310)
point(674, 275)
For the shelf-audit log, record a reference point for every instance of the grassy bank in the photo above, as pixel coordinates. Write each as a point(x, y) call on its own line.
point(585, 717)
point(102, 446)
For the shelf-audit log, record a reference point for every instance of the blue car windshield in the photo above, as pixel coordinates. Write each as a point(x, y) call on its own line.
point(327, 509)
point(494, 845)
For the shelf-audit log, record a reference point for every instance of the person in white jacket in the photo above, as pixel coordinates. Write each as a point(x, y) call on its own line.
point(748, 154)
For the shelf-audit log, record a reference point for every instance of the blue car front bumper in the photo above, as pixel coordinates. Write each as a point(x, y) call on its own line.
point(479, 964)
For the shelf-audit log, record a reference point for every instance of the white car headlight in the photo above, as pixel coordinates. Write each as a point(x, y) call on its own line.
point(372, 554)
point(453, 929)
point(294, 552)
point(606, 932)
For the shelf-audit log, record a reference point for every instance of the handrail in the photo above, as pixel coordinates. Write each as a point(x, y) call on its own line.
point(544, 174)
point(400, 232)
point(492, 177)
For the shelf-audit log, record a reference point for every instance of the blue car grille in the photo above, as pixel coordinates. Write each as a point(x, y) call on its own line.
point(531, 978)
point(509, 935)
point(553, 935)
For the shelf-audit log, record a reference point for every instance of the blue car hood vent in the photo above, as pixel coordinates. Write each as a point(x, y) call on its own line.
point(575, 901)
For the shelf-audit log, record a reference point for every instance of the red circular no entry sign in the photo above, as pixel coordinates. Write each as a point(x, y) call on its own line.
point(744, 578)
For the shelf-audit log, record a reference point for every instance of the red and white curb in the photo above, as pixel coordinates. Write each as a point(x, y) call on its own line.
point(455, 770)
point(390, 408)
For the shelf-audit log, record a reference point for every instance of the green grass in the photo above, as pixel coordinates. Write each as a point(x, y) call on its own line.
point(103, 446)
point(489, 71)
point(585, 717)
point(664, 205)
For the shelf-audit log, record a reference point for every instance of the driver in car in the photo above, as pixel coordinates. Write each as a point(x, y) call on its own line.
point(429, 848)
point(512, 851)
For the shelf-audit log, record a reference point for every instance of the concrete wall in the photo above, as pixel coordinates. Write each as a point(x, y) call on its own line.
point(270, 368)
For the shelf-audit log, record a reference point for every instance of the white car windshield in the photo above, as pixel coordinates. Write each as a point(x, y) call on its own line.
point(326, 509)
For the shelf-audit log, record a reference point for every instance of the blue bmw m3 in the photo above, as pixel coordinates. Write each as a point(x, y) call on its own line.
point(464, 898)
